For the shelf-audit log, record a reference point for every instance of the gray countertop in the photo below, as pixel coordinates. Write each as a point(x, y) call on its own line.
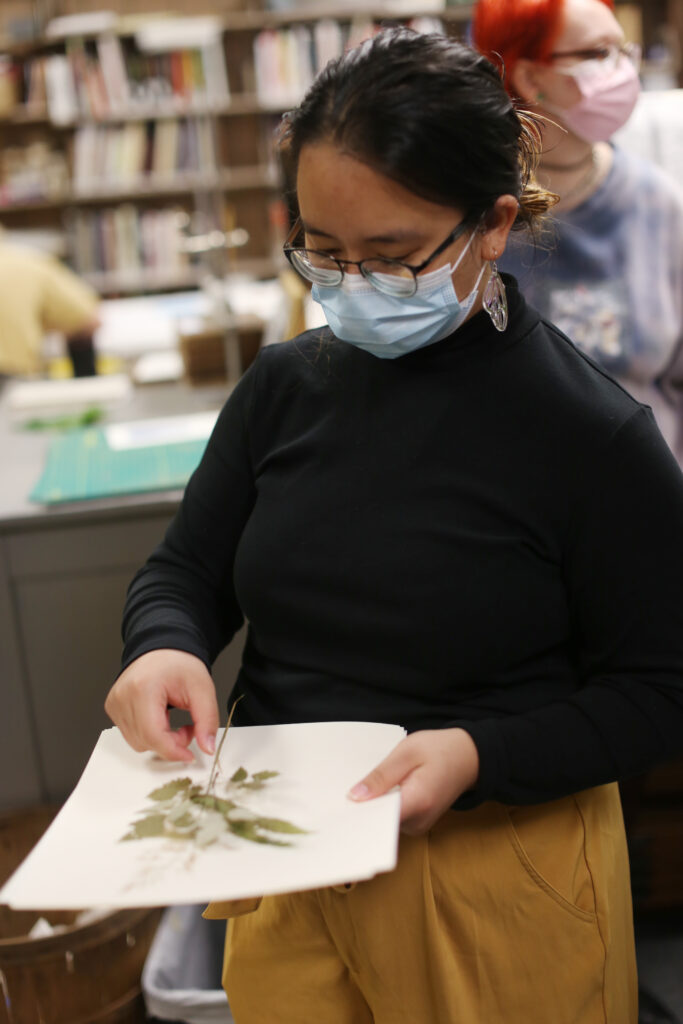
point(23, 453)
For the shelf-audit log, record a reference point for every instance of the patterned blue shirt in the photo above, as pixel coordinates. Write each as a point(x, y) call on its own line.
point(609, 273)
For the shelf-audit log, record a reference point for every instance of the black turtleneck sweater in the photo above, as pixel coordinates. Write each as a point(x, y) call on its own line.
point(487, 533)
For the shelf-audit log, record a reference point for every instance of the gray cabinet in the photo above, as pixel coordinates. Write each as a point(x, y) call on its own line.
point(62, 589)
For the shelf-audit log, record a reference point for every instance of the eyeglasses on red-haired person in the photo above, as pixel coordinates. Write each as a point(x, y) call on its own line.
point(595, 60)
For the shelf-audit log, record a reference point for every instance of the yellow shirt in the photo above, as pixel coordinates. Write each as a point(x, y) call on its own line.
point(37, 294)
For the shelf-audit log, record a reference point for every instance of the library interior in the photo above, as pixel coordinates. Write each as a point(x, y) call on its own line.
point(147, 219)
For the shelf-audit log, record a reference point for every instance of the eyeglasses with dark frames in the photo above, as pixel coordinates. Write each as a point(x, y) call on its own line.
point(606, 56)
point(392, 277)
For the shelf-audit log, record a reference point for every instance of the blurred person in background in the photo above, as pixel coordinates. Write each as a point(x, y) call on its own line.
point(609, 268)
point(39, 294)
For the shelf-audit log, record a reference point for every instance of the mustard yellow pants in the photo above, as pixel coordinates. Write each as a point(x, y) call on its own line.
point(500, 915)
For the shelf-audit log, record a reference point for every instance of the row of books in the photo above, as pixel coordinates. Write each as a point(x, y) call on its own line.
point(125, 239)
point(119, 156)
point(110, 77)
point(32, 173)
point(287, 60)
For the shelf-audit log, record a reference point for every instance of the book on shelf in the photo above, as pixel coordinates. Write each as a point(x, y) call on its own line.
point(111, 77)
point(286, 60)
point(328, 41)
point(60, 87)
point(114, 73)
point(124, 240)
point(197, 57)
point(141, 153)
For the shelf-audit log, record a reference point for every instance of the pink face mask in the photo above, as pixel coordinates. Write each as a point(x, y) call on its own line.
point(608, 98)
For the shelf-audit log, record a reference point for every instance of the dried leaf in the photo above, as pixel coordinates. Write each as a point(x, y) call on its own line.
point(262, 776)
point(151, 826)
point(249, 830)
point(280, 825)
point(213, 803)
point(183, 825)
point(239, 775)
point(170, 789)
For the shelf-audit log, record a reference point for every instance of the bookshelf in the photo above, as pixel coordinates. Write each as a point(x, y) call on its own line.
point(129, 134)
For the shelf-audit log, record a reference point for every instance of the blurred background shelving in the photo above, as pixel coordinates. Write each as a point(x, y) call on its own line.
point(128, 131)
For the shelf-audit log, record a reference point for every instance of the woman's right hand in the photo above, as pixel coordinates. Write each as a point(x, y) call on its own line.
point(138, 703)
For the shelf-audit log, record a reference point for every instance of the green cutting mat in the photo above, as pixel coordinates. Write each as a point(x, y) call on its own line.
point(81, 465)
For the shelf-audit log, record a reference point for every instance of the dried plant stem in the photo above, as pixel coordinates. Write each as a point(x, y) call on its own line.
point(214, 767)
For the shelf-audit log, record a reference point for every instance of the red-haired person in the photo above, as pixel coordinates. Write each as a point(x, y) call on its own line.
point(610, 273)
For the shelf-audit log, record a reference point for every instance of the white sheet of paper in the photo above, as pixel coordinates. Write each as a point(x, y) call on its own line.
point(81, 860)
point(162, 430)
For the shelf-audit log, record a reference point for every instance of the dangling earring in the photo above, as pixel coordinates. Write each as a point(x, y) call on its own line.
point(495, 300)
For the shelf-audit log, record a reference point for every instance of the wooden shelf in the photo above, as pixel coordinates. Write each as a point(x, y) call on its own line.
point(254, 21)
point(27, 205)
point(148, 279)
point(237, 106)
point(235, 179)
point(141, 279)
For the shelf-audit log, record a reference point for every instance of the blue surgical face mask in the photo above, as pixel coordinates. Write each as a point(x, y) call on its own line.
point(388, 326)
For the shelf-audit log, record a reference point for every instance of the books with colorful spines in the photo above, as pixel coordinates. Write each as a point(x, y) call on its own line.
point(180, 38)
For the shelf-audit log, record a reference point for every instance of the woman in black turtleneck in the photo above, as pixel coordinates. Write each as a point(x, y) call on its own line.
point(436, 513)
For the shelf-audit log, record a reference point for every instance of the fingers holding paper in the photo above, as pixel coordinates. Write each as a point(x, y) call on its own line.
point(139, 701)
point(432, 767)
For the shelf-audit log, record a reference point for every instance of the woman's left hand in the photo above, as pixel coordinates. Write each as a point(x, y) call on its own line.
point(433, 768)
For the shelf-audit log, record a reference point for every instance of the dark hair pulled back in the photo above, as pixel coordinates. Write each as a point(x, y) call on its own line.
point(431, 114)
